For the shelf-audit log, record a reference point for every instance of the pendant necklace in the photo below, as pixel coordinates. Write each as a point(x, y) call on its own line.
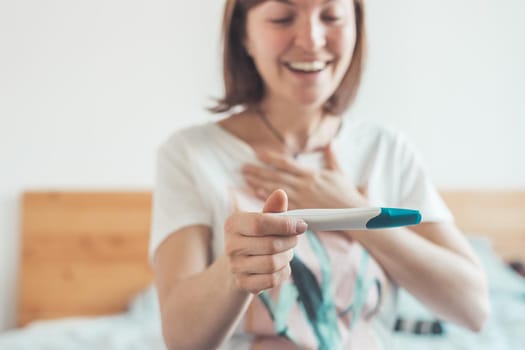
point(264, 118)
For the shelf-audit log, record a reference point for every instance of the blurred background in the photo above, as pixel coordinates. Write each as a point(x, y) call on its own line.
point(89, 89)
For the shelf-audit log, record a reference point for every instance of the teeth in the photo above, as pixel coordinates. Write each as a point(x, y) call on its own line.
point(308, 66)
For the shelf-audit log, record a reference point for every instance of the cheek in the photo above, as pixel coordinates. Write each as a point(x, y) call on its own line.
point(265, 43)
point(349, 37)
point(267, 54)
point(270, 45)
point(342, 44)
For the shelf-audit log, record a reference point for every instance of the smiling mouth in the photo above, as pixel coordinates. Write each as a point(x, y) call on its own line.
point(307, 66)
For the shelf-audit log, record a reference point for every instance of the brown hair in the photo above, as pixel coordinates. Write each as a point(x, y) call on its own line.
point(242, 83)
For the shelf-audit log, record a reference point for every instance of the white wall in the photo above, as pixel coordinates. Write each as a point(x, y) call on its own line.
point(452, 75)
point(89, 89)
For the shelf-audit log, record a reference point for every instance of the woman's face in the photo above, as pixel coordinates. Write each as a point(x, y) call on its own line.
point(301, 48)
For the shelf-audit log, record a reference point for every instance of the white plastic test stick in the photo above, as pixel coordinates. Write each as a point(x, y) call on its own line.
point(355, 218)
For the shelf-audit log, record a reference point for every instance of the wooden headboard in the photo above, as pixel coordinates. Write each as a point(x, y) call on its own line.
point(498, 215)
point(85, 253)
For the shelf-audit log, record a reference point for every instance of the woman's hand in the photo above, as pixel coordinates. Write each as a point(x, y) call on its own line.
point(325, 188)
point(260, 246)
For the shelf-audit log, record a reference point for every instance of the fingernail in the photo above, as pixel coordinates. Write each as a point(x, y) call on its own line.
point(300, 226)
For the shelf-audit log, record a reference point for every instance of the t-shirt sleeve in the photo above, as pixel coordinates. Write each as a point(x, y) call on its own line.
point(416, 189)
point(177, 202)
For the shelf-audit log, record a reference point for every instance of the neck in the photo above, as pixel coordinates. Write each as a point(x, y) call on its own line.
point(297, 129)
point(294, 123)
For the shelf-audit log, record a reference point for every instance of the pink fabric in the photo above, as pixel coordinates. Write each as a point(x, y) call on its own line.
point(345, 259)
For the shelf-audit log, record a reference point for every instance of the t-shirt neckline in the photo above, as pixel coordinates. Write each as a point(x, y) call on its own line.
point(247, 149)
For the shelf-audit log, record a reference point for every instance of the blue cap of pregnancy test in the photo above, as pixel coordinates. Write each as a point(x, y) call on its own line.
point(394, 217)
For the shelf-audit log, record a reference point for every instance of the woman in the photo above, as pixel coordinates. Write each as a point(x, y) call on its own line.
point(231, 274)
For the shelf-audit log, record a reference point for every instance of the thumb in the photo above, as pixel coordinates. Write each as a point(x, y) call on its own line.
point(276, 202)
point(329, 157)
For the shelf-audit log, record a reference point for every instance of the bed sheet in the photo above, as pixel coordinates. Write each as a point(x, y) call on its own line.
point(140, 327)
point(505, 328)
point(137, 329)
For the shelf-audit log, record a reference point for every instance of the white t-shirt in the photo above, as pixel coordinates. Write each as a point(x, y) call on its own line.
point(199, 182)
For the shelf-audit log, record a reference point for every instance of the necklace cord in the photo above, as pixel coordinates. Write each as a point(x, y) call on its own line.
point(264, 118)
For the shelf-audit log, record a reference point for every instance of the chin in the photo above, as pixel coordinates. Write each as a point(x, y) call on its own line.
point(311, 100)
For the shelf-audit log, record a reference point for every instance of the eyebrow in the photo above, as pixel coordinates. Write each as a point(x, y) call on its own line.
point(291, 3)
point(287, 2)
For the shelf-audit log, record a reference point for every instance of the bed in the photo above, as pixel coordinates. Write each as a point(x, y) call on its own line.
point(85, 279)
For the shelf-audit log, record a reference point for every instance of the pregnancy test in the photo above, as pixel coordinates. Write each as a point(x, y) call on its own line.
point(355, 218)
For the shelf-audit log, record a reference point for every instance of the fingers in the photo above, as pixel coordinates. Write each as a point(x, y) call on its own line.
point(263, 224)
point(330, 159)
point(256, 175)
point(264, 187)
point(261, 264)
point(277, 202)
point(282, 163)
point(363, 190)
point(259, 246)
point(256, 283)
point(245, 245)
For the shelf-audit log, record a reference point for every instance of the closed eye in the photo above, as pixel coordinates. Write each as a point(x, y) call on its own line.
point(285, 20)
point(331, 18)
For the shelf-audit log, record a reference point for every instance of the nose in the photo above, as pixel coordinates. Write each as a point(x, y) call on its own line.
point(310, 34)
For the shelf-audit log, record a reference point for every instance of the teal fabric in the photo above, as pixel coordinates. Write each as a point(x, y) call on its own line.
point(325, 324)
point(317, 298)
point(361, 289)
